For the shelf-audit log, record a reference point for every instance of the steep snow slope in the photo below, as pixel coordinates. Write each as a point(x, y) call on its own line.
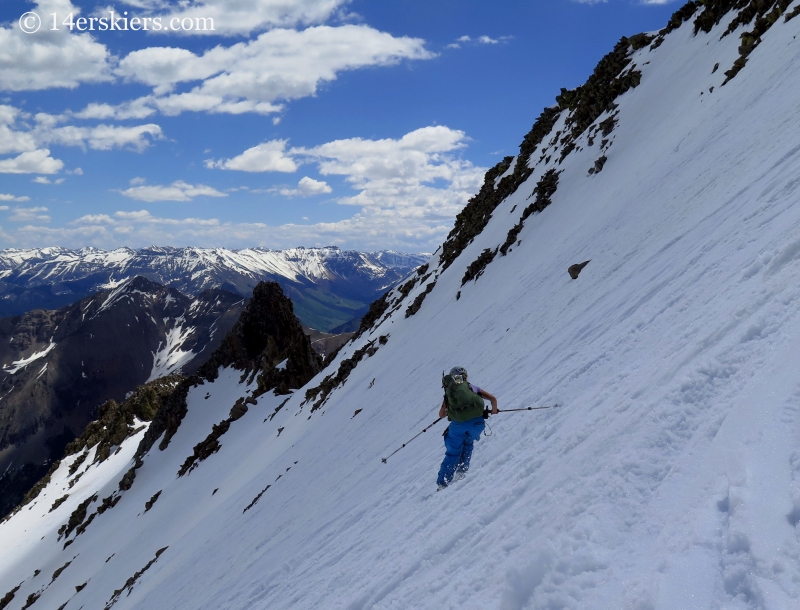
point(670, 478)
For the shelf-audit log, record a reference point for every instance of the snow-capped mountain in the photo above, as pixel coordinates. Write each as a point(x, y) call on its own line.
point(328, 286)
point(58, 367)
point(667, 479)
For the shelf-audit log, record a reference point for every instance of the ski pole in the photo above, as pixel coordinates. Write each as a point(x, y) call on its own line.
point(528, 408)
point(406, 443)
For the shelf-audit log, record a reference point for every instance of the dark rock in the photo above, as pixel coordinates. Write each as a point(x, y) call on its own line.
point(31, 600)
point(9, 597)
point(476, 268)
point(58, 572)
point(206, 447)
point(76, 518)
point(238, 410)
point(545, 189)
point(149, 504)
point(414, 307)
point(127, 480)
point(476, 214)
point(599, 163)
point(576, 269)
point(132, 580)
point(321, 392)
point(256, 499)
point(58, 503)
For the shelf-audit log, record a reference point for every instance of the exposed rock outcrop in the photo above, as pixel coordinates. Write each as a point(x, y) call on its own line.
point(575, 270)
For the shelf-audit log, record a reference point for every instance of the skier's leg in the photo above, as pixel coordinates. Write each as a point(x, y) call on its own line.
point(473, 434)
point(453, 443)
point(466, 455)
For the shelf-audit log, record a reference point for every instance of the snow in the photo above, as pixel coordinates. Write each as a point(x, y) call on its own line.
point(18, 365)
point(170, 358)
point(670, 478)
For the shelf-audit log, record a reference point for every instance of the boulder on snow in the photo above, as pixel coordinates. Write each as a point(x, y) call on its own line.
point(575, 270)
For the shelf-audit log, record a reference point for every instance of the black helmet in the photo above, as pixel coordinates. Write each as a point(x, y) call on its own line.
point(458, 370)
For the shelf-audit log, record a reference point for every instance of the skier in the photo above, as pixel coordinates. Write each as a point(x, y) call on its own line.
point(463, 406)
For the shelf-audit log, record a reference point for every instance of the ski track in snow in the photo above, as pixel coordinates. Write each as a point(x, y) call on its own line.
point(670, 478)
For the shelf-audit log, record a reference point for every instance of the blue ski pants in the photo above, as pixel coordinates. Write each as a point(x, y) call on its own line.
point(458, 447)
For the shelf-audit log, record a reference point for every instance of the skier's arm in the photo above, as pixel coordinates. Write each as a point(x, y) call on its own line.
point(492, 399)
point(443, 409)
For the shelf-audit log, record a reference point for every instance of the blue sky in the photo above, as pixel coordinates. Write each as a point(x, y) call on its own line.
point(360, 124)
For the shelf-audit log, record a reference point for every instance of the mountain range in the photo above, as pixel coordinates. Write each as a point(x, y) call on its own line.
point(330, 288)
point(648, 455)
point(58, 367)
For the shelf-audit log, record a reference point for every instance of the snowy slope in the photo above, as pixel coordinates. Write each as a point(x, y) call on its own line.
point(670, 478)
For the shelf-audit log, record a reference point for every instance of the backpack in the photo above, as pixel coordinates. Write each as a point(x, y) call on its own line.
point(462, 403)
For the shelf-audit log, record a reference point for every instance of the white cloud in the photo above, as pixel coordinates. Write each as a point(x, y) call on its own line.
point(253, 76)
point(33, 162)
point(46, 180)
point(49, 59)
point(29, 215)
point(266, 157)
point(102, 137)
point(143, 216)
point(137, 181)
point(177, 191)
point(94, 219)
point(307, 187)
point(18, 134)
point(77, 171)
point(407, 192)
point(409, 189)
point(237, 17)
point(480, 40)
point(7, 197)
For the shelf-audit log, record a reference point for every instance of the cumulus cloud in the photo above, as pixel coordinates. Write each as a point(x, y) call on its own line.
point(26, 133)
point(406, 191)
point(102, 137)
point(238, 17)
point(7, 197)
point(254, 76)
point(50, 59)
point(46, 180)
point(29, 215)
point(411, 186)
point(177, 191)
point(33, 162)
point(266, 157)
point(307, 187)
